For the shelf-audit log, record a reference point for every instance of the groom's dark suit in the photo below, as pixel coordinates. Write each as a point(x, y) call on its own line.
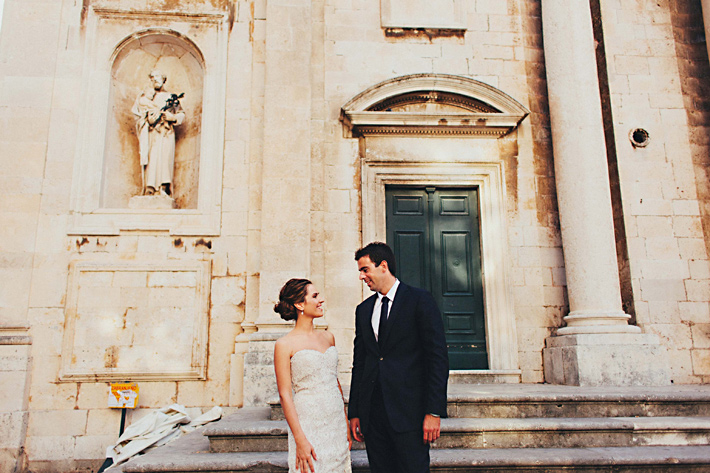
point(410, 370)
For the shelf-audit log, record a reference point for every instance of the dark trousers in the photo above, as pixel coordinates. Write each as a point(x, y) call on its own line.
point(389, 451)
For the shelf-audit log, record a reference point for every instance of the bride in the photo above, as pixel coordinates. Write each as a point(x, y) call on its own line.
point(306, 363)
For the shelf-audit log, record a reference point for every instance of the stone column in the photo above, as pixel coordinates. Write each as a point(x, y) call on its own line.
point(286, 182)
point(597, 346)
point(706, 22)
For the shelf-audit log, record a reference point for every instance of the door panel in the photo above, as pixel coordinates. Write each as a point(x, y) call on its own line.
point(409, 256)
point(456, 263)
point(436, 240)
point(408, 213)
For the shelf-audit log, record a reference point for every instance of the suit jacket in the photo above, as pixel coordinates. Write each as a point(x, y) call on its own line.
point(413, 365)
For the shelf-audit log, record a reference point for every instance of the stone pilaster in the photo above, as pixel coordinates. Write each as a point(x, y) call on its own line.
point(15, 363)
point(286, 179)
point(586, 220)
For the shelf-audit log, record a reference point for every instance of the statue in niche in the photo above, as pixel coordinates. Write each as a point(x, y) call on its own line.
point(157, 114)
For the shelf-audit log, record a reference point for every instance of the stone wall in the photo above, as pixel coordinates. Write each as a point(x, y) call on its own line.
point(66, 421)
point(667, 250)
point(502, 47)
point(691, 51)
point(280, 194)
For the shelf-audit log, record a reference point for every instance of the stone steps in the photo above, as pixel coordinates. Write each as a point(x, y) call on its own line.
point(189, 455)
point(492, 428)
point(524, 400)
point(251, 430)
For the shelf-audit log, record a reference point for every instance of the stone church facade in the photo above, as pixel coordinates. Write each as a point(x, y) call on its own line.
point(542, 166)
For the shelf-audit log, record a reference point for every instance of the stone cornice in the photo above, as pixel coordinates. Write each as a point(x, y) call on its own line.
point(359, 118)
point(412, 123)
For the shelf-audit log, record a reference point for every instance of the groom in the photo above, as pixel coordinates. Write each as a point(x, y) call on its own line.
point(400, 368)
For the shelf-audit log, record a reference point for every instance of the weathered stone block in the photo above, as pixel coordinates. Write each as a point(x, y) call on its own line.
point(701, 335)
point(662, 248)
point(686, 207)
point(12, 429)
point(59, 447)
point(654, 226)
point(93, 447)
point(57, 423)
point(663, 312)
point(103, 421)
point(12, 392)
point(663, 290)
point(259, 377)
point(699, 269)
point(605, 360)
point(227, 291)
point(673, 336)
point(696, 312)
point(692, 248)
point(157, 394)
point(701, 362)
point(93, 396)
point(660, 269)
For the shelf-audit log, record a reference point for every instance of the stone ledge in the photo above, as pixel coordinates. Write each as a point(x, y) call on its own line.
point(554, 392)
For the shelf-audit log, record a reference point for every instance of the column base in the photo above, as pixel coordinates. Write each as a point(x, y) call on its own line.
point(606, 360)
point(597, 321)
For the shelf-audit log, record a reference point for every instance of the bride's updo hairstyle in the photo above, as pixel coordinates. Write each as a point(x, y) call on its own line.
point(293, 292)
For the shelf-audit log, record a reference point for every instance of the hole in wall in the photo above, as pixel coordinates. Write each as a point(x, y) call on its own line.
point(639, 138)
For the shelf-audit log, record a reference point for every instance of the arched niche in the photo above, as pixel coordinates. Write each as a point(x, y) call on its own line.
point(183, 64)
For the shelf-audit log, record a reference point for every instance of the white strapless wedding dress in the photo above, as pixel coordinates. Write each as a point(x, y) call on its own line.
point(319, 405)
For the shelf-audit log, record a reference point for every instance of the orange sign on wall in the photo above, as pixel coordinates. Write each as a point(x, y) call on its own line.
point(123, 395)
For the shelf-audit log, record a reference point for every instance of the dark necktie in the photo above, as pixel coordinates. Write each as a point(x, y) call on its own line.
point(383, 320)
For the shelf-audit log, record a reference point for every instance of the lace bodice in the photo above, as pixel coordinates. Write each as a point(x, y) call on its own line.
point(316, 371)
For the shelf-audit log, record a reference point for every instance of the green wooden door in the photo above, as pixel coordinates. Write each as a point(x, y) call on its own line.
point(436, 241)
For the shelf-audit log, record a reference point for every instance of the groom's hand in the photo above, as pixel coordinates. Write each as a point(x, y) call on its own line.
point(355, 429)
point(432, 428)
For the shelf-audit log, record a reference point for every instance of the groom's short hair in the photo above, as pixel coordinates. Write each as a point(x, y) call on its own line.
point(378, 252)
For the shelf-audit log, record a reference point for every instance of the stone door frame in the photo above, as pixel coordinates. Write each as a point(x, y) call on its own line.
point(498, 116)
point(501, 334)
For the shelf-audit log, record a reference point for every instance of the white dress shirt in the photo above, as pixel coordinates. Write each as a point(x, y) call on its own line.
point(378, 307)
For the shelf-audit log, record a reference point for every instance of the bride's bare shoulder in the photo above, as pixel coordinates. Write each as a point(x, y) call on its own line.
point(284, 344)
point(329, 337)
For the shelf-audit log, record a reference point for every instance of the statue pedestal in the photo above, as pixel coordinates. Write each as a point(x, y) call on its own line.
point(151, 202)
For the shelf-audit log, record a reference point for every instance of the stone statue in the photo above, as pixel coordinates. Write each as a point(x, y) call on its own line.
point(157, 113)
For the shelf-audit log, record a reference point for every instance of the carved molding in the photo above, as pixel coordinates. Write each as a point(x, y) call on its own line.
point(136, 321)
point(15, 335)
point(485, 110)
point(488, 177)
